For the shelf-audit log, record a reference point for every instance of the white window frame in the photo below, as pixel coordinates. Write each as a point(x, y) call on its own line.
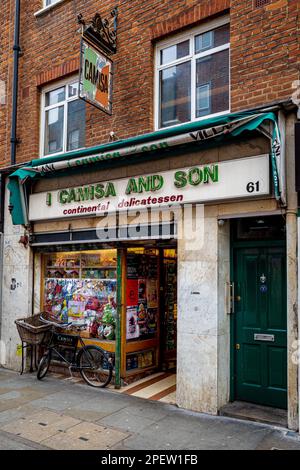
point(45, 7)
point(52, 2)
point(44, 108)
point(192, 57)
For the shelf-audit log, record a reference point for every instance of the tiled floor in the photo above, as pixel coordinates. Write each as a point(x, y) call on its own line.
point(160, 387)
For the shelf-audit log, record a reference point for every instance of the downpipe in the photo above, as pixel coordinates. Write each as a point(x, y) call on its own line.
point(16, 55)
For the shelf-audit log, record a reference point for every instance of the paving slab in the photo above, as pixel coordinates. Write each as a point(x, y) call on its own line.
point(127, 421)
point(58, 401)
point(157, 437)
point(40, 426)
point(59, 414)
point(15, 398)
point(12, 442)
point(14, 414)
point(86, 436)
point(276, 440)
point(146, 409)
point(84, 415)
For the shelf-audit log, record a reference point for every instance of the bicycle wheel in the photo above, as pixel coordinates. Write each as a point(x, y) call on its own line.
point(44, 365)
point(95, 366)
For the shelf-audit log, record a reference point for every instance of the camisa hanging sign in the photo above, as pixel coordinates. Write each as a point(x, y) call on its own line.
point(95, 80)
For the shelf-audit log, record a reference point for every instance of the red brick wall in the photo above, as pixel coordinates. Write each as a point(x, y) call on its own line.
point(265, 53)
point(264, 56)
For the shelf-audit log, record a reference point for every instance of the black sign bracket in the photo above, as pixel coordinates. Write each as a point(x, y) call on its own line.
point(101, 32)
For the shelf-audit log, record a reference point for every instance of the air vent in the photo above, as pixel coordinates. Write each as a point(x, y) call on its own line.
point(261, 3)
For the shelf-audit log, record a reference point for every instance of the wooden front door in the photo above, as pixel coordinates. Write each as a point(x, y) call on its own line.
point(260, 324)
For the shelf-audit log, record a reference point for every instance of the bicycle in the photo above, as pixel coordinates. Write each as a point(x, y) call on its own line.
point(94, 364)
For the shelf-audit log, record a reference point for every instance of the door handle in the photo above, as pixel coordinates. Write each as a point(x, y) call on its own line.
point(232, 298)
point(230, 307)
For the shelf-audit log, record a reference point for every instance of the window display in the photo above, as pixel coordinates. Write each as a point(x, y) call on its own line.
point(140, 360)
point(170, 318)
point(142, 295)
point(81, 288)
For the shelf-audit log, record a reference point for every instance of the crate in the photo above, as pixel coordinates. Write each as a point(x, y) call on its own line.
point(32, 330)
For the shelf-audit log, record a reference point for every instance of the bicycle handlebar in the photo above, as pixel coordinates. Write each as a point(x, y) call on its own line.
point(61, 325)
point(50, 322)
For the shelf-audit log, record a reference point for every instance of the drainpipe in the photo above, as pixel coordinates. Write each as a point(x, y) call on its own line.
point(16, 54)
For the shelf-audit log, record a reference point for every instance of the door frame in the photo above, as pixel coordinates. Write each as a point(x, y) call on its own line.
point(234, 245)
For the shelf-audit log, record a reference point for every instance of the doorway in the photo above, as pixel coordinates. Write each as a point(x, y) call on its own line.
point(260, 320)
point(149, 345)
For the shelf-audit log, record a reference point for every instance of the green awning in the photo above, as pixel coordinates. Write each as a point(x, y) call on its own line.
point(213, 129)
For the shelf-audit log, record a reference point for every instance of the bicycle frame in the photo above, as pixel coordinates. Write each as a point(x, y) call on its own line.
point(70, 341)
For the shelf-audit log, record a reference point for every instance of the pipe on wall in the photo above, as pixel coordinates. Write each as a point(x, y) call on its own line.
point(16, 55)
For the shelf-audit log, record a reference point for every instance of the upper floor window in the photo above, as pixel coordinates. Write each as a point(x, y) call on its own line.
point(63, 119)
point(192, 75)
point(50, 2)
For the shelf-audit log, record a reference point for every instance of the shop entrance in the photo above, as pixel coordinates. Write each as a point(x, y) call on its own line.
point(149, 333)
point(260, 319)
point(125, 299)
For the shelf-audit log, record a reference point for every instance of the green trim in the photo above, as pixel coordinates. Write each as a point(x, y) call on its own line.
point(15, 201)
point(232, 329)
point(257, 243)
point(118, 325)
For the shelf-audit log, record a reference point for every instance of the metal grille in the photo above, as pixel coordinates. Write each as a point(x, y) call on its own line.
point(261, 3)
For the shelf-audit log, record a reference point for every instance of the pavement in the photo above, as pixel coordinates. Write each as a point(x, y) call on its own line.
point(59, 414)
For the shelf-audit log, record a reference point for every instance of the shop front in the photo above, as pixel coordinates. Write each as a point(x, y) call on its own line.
point(83, 287)
point(171, 255)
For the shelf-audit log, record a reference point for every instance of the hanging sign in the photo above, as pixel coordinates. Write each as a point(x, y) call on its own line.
point(232, 179)
point(95, 79)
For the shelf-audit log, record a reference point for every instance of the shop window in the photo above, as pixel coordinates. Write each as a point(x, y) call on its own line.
point(81, 287)
point(192, 75)
point(63, 119)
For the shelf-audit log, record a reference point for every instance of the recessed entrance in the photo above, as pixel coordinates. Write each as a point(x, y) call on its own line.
point(150, 334)
point(259, 323)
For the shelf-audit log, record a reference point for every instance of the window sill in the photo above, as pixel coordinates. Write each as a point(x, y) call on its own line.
point(47, 8)
point(61, 153)
point(202, 118)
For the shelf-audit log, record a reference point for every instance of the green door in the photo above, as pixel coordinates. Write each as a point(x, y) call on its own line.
point(260, 349)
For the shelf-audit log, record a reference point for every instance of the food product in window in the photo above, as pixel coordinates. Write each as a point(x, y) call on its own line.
point(79, 300)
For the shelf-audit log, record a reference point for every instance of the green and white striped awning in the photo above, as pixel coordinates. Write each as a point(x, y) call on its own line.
point(214, 130)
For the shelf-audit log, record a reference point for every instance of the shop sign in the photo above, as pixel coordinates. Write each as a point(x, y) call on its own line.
point(232, 179)
point(95, 80)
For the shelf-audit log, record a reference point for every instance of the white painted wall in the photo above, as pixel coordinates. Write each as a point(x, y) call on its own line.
point(17, 300)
